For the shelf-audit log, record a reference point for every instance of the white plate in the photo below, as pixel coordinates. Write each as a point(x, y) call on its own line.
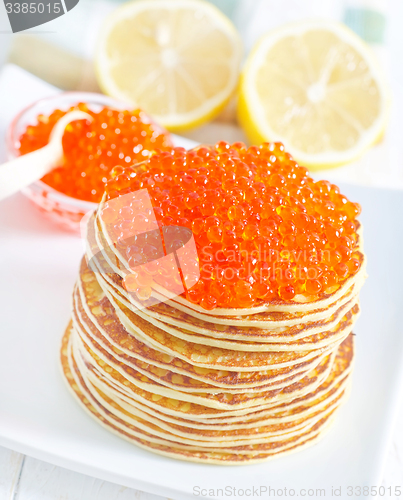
point(38, 416)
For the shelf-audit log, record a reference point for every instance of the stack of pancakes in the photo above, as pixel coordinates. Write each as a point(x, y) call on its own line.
point(223, 386)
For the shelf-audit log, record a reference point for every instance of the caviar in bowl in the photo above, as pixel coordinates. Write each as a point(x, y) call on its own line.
point(116, 136)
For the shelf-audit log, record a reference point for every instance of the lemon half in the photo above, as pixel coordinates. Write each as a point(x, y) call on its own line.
point(316, 87)
point(179, 60)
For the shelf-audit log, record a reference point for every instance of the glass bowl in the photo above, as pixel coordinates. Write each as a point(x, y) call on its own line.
point(64, 210)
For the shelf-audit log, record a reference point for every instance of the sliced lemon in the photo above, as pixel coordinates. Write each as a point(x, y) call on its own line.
point(316, 87)
point(179, 60)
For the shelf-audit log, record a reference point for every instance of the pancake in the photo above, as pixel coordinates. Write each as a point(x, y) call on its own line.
point(102, 263)
point(103, 328)
point(210, 438)
point(272, 443)
point(320, 333)
point(159, 405)
point(216, 382)
point(97, 359)
point(279, 420)
point(203, 391)
point(214, 357)
point(338, 388)
point(119, 264)
point(169, 449)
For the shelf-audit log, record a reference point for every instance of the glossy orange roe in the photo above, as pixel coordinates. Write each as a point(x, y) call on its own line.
point(92, 149)
point(264, 229)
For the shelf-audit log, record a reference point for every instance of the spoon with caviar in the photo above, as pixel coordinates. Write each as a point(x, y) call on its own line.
point(28, 168)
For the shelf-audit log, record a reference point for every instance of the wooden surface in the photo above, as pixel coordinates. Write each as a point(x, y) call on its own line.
point(25, 478)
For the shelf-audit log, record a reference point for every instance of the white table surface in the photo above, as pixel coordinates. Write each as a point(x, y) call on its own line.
point(25, 478)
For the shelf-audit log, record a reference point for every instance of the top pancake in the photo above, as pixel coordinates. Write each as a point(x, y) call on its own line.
point(300, 304)
point(102, 262)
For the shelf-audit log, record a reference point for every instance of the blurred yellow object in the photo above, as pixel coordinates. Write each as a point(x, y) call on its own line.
point(179, 60)
point(317, 87)
point(53, 63)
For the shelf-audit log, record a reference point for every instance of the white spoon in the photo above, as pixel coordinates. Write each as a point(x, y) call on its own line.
point(28, 168)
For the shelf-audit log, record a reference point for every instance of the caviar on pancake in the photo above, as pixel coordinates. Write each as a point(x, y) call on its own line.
point(264, 229)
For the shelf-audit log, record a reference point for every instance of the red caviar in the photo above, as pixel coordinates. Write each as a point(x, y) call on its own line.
point(264, 229)
point(92, 149)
